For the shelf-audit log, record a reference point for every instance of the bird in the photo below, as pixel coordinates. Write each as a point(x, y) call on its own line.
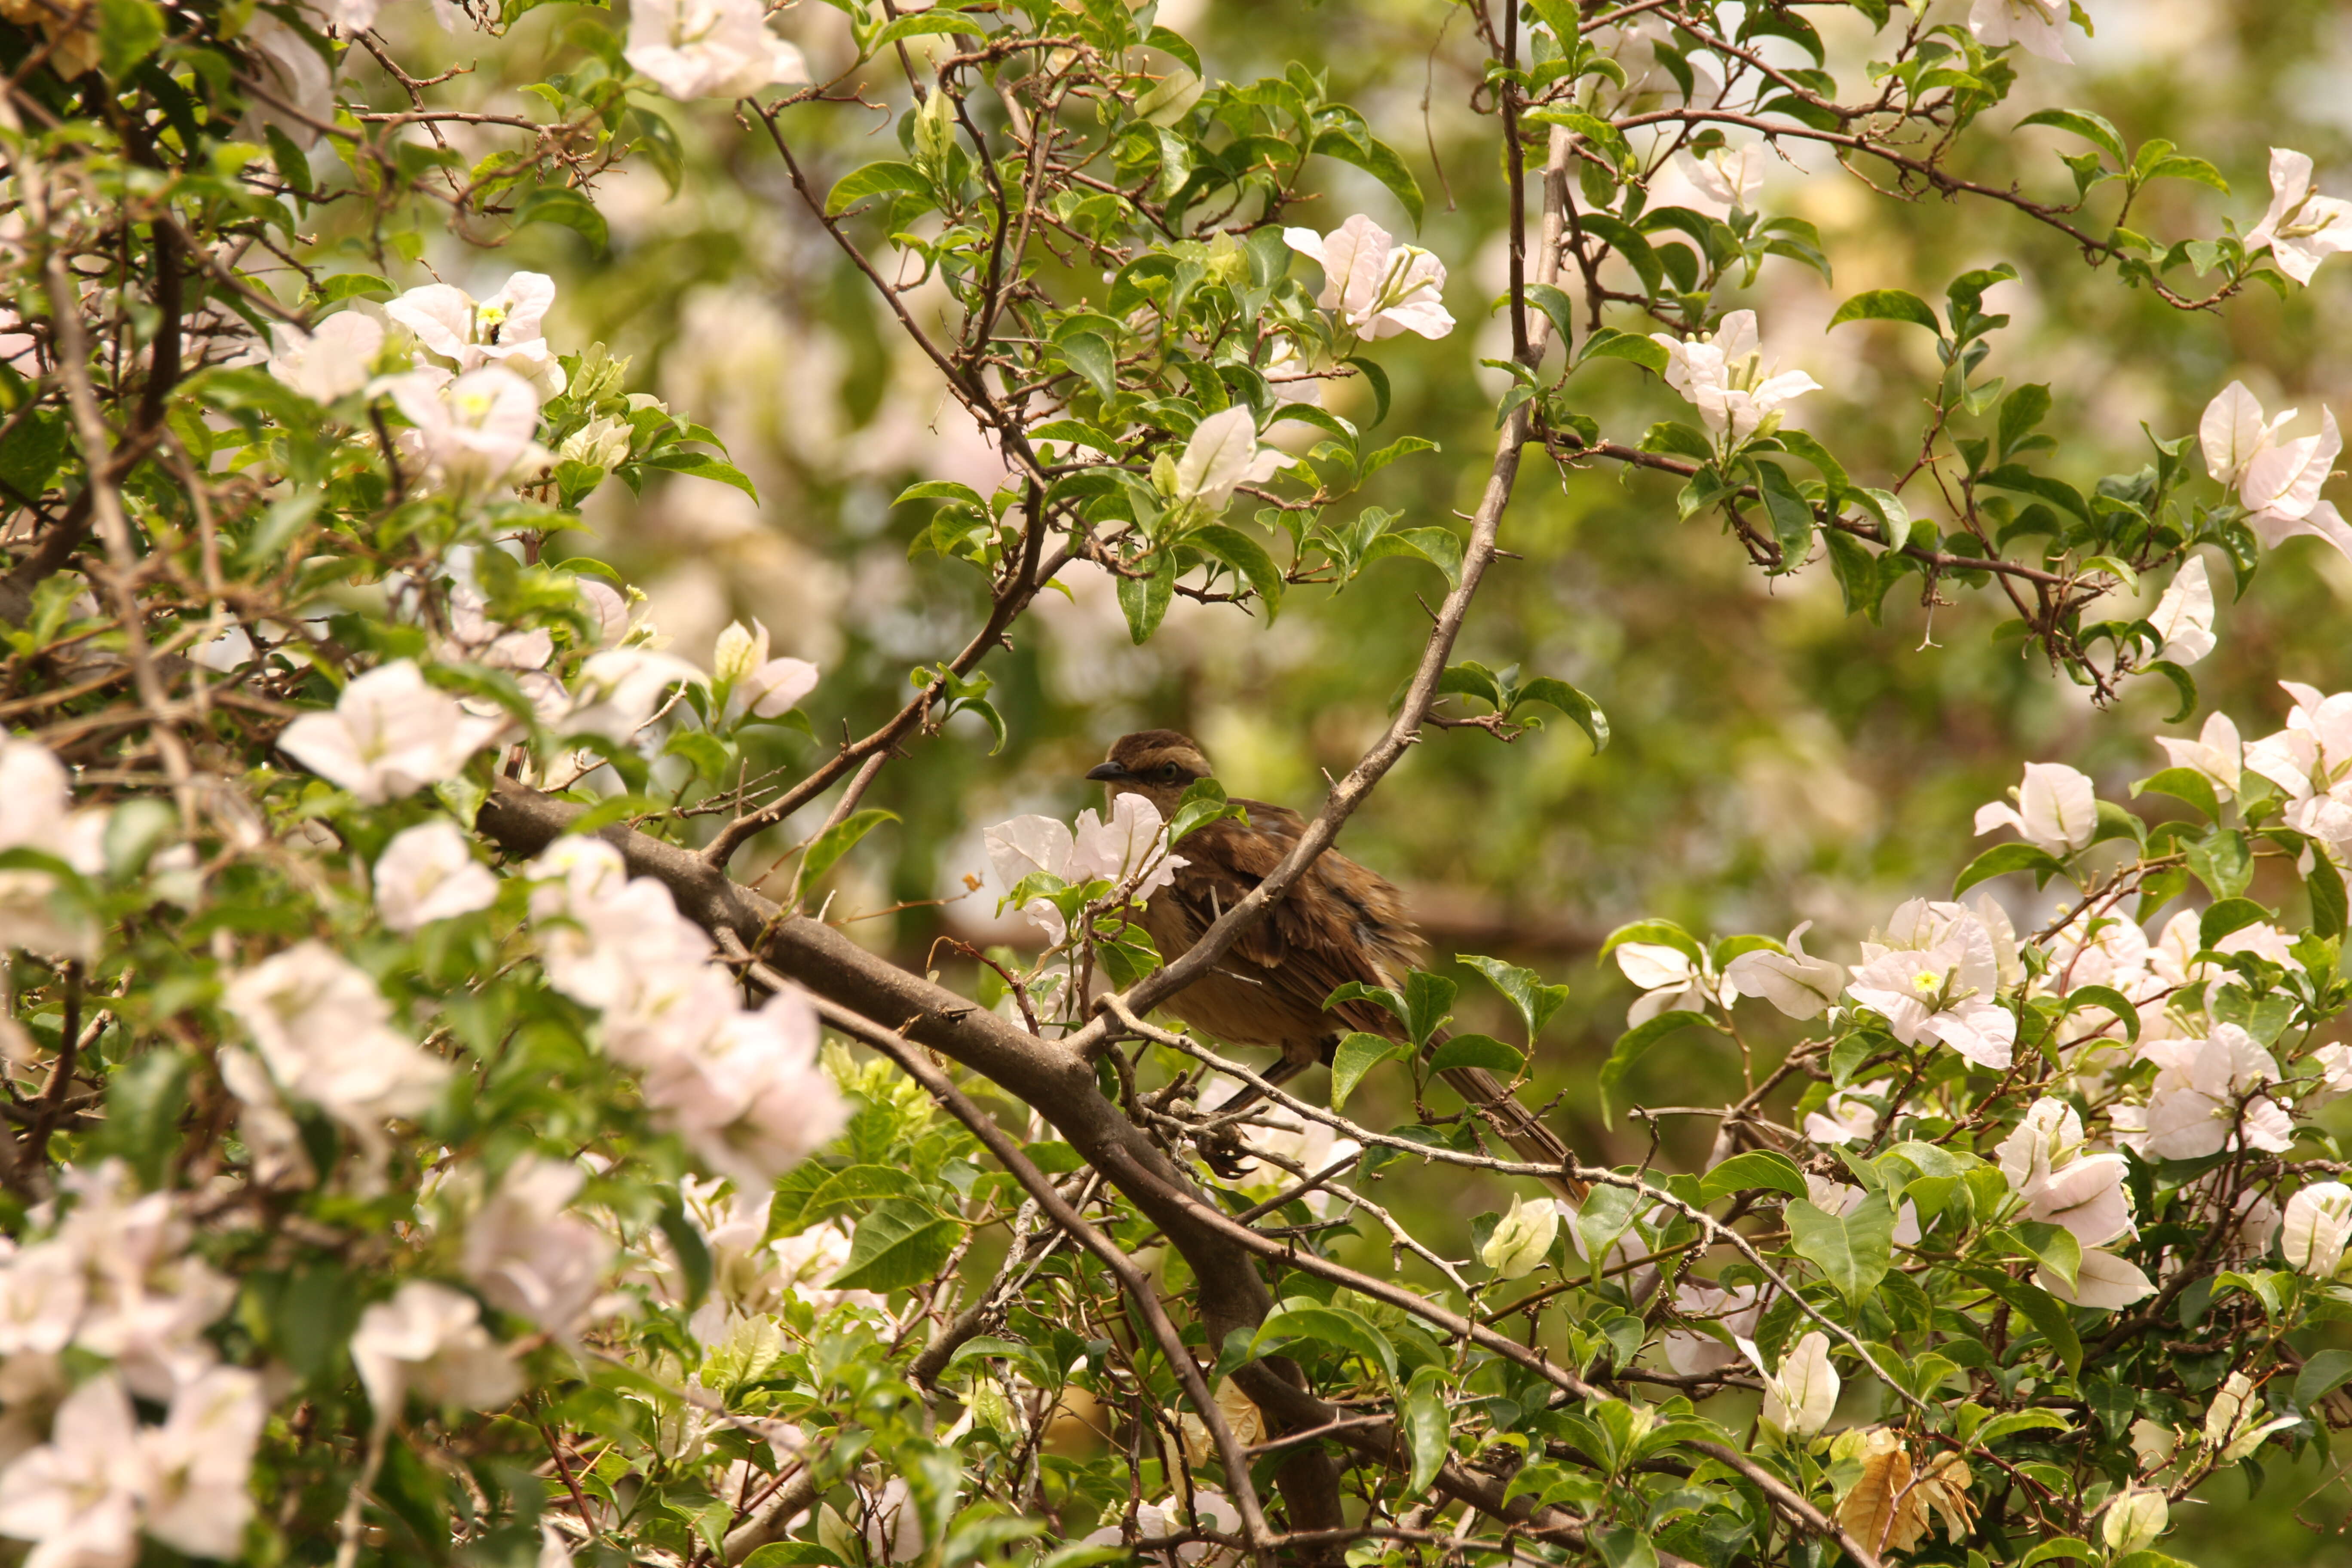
point(1341, 922)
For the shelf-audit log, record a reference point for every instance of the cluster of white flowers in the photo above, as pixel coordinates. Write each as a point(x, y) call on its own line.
point(1158, 1520)
point(2037, 27)
point(763, 687)
point(1800, 1397)
point(2057, 809)
point(114, 1278)
point(326, 1035)
point(1222, 455)
point(742, 1088)
point(2310, 761)
point(2300, 228)
point(709, 48)
point(1378, 287)
point(2278, 481)
point(750, 1275)
point(528, 1254)
point(1937, 976)
point(36, 812)
point(389, 735)
point(429, 1340)
point(1129, 851)
point(2057, 1180)
point(1722, 373)
point(1715, 182)
point(392, 734)
point(472, 405)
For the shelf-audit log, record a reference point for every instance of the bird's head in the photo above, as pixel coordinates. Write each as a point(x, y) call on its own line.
point(1157, 764)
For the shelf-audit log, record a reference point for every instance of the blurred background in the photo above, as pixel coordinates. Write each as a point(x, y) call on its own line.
point(1774, 760)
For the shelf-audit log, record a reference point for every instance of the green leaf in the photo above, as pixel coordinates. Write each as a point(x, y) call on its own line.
point(1581, 709)
point(1629, 1048)
point(2052, 1246)
point(838, 840)
point(1760, 1169)
point(2095, 129)
point(1428, 1429)
point(2324, 883)
point(2184, 686)
point(1093, 359)
point(32, 453)
point(352, 286)
point(145, 1097)
point(1819, 455)
point(1556, 305)
point(2184, 783)
point(2322, 1374)
point(914, 24)
point(1427, 998)
point(1203, 801)
point(1441, 547)
point(2222, 861)
point(615, 809)
point(1144, 600)
point(1335, 1326)
point(898, 1244)
point(1477, 1051)
point(2015, 477)
point(2063, 1546)
point(1525, 990)
point(2229, 915)
point(696, 465)
point(128, 32)
point(1379, 160)
point(1378, 380)
point(2113, 1000)
point(940, 490)
point(704, 751)
point(1357, 1054)
point(2038, 1307)
point(2020, 411)
point(2002, 858)
point(794, 1555)
point(1852, 1253)
point(693, 1253)
point(1680, 440)
point(559, 205)
point(1888, 305)
point(2016, 1421)
point(1793, 519)
point(2180, 166)
point(1245, 556)
point(1661, 933)
point(874, 180)
point(1610, 344)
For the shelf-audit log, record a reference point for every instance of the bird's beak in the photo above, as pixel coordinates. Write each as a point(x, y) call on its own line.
point(1110, 772)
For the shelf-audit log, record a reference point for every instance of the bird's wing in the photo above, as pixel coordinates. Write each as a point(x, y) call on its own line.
point(1341, 924)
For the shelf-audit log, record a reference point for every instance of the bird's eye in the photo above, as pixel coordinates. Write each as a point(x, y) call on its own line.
point(1171, 772)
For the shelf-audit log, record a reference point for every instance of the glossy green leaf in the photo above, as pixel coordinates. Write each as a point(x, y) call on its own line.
point(838, 840)
point(1852, 1252)
point(1357, 1054)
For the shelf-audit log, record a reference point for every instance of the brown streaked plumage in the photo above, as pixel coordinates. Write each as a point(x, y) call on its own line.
point(1339, 922)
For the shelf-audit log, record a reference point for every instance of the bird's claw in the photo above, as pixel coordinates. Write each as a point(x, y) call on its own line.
point(1223, 1154)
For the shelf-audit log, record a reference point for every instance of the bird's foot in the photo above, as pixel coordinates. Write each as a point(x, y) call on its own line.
point(1224, 1153)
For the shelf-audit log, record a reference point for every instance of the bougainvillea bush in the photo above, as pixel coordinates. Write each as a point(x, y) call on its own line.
point(448, 1120)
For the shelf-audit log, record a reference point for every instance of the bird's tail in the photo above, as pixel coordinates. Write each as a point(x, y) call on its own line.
point(1515, 1125)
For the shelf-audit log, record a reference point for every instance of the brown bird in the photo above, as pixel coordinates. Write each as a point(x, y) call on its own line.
point(1339, 922)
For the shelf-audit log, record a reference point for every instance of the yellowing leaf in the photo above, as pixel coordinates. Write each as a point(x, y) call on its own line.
point(1885, 1511)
